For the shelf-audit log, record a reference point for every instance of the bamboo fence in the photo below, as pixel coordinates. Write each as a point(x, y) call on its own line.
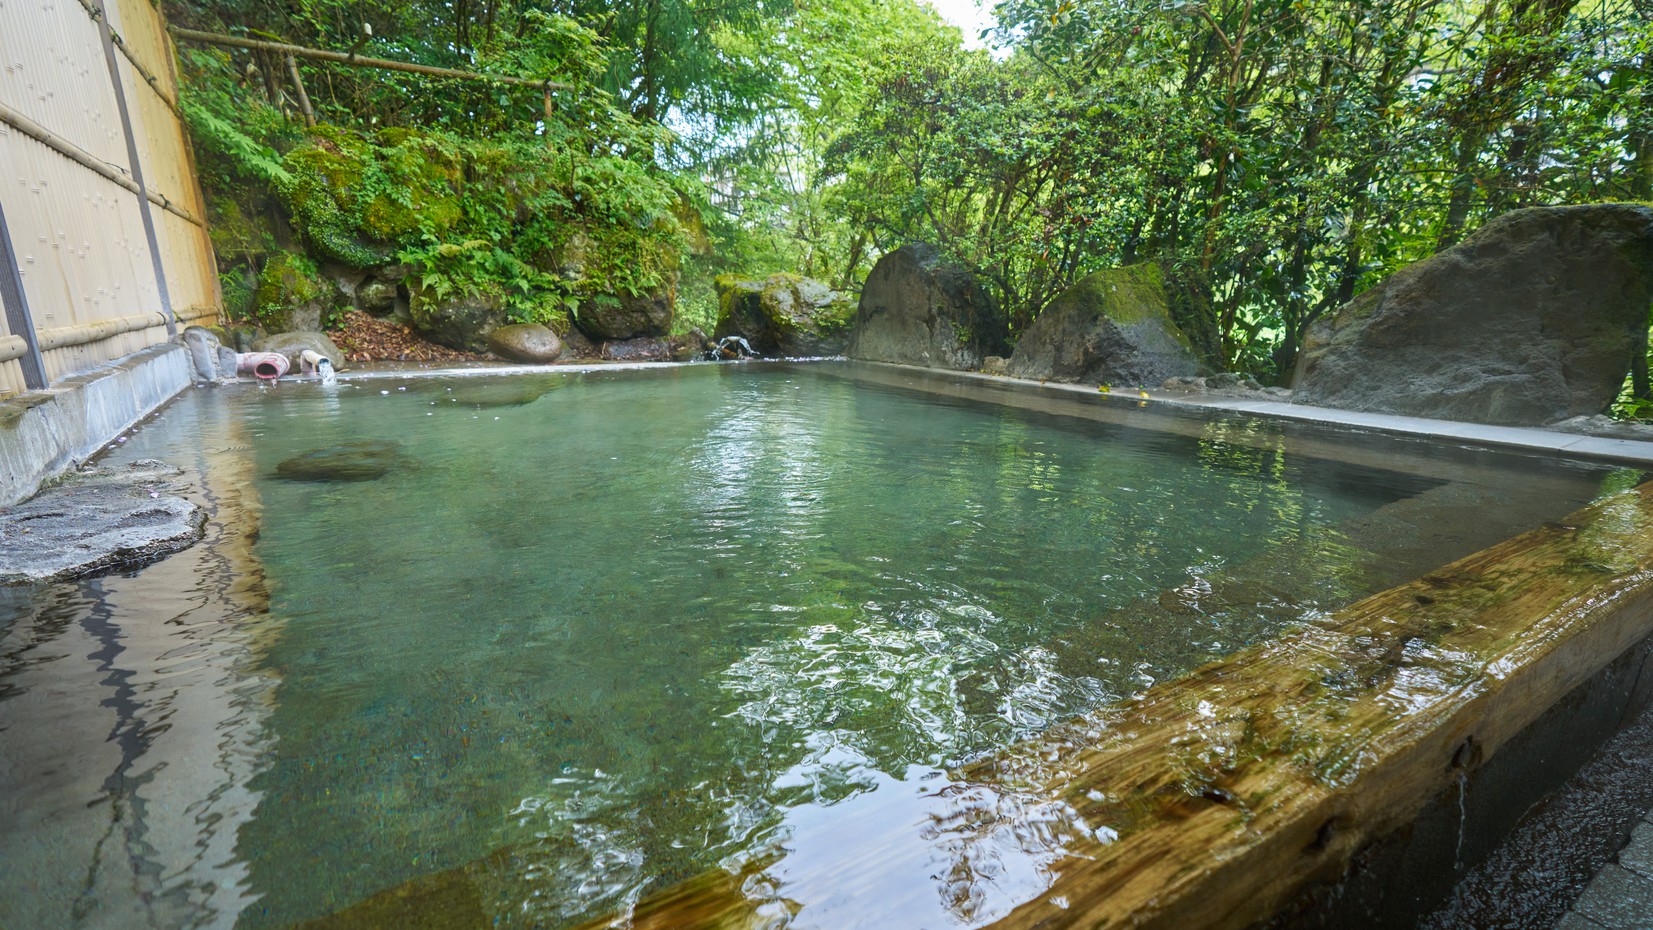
point(100, 211)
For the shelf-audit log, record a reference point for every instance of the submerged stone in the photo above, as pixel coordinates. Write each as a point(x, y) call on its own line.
point(97, 521)
point(351, 461)
point(510, 392)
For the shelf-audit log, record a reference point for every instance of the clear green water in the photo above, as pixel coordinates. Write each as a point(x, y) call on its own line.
point(625, 623)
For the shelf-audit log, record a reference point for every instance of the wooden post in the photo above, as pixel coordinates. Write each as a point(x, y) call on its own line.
point(303, 98)
point(550, 110)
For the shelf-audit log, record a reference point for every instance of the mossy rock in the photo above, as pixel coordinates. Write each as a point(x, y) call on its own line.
point(458, 321)
point(1112, 327)
point(290, 294)
point(784, 314)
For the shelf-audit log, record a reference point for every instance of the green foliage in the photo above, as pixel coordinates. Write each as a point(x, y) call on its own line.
point(477, 267)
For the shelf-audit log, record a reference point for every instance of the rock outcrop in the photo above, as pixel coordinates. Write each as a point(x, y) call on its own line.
point(628, 317)
point(460, 321)
point(525, 342)
point(1533, 319)
point(919, 310)
point(1112, 327)
point(784, 315)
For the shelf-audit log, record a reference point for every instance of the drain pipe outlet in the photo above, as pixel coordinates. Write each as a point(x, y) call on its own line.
point(265, 366)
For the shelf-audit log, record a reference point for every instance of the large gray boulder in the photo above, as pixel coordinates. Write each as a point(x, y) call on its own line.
point(1533, 319)
point(1112, 327)
point(458, 321)
point(919, 310)
point(627, 316)
point(784, 315)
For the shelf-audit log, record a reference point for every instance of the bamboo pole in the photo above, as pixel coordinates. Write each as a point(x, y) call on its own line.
point(80, 156)
point(303, 97)
point(282, 48)
point(81, 334)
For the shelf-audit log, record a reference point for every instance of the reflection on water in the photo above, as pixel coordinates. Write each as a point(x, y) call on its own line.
point(599, 634)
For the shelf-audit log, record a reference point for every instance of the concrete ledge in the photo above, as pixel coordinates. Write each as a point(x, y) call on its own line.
point(1530, 439)
point(46, 433)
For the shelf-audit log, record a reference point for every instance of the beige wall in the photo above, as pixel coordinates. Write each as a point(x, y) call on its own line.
point(87, 271)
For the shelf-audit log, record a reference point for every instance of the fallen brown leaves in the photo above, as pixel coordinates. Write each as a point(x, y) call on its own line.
point(364, 338)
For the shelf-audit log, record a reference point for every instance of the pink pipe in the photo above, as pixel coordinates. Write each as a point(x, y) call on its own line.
point(265, 366)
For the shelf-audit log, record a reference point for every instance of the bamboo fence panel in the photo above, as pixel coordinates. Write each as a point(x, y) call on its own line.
point(71, 207)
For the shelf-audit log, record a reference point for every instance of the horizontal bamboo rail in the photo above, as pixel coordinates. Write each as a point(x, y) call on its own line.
point(349, 58)
point(80, 334)
point(80, 156)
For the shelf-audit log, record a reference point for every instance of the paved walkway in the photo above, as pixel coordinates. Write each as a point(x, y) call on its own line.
point(1620, 897)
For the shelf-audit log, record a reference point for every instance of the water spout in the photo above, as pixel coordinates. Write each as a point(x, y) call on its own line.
point(313, 362)
point(732, 347)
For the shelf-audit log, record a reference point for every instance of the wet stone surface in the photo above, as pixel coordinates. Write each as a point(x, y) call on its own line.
point(98, 521)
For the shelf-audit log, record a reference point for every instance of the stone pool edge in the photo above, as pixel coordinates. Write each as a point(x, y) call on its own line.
point(1530, 439)
point(46, 433)
point(1521, 438)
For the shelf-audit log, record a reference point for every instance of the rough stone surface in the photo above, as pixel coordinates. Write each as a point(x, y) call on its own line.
point(916, 309)
point(204, 354)
point(648, 349)
point(459, 322)
point(784, 315)
point(377, 297)
point(98, 521)
point(525, 342)
point(290, 293)
point(1618, 899)
point(996, 365)
point(1604, 426)
point(1532, 320)
point(1112, 327)
point(1226, 384)
point(691, 346)
point(628, 317)
point(351, 461)
point(293, 345)
point(577, 345)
